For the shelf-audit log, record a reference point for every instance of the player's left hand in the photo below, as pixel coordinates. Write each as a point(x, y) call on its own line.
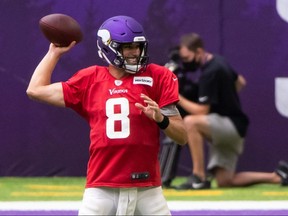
point(152, 109)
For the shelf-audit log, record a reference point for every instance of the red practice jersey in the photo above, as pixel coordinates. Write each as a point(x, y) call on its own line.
point(124, 141)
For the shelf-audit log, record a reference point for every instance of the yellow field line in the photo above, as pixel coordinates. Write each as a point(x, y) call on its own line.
point(48, 194)
point(274, 193)
point(193, 193)
point(54, 187)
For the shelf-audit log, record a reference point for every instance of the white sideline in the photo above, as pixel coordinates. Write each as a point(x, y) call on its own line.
point(173, 205)
point(228, 205)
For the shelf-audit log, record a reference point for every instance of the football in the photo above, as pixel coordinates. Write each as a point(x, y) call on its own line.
point(60, 29)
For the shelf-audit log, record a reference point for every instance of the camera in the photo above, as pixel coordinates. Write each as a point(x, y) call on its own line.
point(174, 59)
point(187, 86)
point(174, 64)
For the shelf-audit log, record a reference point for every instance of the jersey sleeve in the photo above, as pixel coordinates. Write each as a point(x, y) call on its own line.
point(74, 90)
point(168, 88)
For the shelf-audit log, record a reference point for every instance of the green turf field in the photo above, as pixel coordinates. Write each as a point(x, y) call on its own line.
point(71, 188)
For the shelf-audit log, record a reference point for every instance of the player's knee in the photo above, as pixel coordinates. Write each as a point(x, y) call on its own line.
point(189, 120)
point(192, 122)
point(224, 183)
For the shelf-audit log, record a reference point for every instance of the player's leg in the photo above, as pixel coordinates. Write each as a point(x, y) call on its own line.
point(99, 201)
point(251, 178)
point(222, 164)
point(151, 201)
point(227, 178)
point(198, 129)
point(224, 149)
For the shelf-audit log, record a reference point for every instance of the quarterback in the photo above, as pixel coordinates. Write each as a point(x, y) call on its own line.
point(126, 104)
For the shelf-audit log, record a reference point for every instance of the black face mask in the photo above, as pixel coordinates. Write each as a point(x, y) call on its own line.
point(191, 66)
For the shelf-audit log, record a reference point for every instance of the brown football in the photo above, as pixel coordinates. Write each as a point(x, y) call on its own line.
point(60, 29)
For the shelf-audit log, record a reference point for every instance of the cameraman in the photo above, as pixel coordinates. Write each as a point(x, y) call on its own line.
point(218, 118)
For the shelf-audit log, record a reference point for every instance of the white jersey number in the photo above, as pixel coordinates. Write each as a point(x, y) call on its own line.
point(120, 117)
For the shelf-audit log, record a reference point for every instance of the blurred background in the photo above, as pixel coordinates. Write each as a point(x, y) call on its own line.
point(39, 140)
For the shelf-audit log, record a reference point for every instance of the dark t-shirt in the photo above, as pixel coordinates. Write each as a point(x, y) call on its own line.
point(217, 88)
point(189, 90)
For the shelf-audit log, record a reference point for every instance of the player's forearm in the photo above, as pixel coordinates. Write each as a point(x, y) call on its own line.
point(192, 107)
point(42, 74)
point(176, 130)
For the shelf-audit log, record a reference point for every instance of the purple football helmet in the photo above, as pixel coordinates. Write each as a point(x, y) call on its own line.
point(119, 30)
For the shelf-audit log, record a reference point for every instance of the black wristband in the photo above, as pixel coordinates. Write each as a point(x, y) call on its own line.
point(164, 123)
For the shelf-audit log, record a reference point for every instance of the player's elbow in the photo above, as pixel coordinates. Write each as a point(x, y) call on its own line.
point(32, 94)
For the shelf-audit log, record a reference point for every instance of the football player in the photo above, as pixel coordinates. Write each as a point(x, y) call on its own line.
point(126, 104)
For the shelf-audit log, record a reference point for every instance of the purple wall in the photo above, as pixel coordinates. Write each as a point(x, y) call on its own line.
point(39, 140)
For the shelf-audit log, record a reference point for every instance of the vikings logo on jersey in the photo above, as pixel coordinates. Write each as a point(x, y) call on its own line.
point(118, 82)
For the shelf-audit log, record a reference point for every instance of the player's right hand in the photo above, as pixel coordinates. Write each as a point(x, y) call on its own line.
point(59, 51)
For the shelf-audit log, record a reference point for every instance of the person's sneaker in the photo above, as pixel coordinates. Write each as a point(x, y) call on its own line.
point(194, 182)
point(282, 171)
